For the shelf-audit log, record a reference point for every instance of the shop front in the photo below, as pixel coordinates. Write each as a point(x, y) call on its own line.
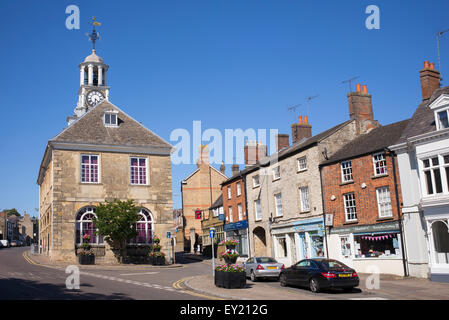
point(238, 231)
point(298, 240)
point(375, 248)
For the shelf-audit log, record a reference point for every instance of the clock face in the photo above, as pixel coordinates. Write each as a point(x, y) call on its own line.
point(94, 97)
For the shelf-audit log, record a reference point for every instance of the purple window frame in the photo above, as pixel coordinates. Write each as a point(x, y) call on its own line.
point(89, 168)
point(138, 170)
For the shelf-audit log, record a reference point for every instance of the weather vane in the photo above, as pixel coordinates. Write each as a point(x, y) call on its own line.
point(94, 36)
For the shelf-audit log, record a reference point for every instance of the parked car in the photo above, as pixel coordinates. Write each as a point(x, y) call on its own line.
point(4, 243)
point(14, 243)
point(319, 274)
point(262, 267)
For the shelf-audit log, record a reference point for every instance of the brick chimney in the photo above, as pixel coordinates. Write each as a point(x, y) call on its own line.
point(301, 130)
point(253, 152)
point(203, 155)
point(361, 109)
point(430, 80)
point(235, 169)
point(282, 141)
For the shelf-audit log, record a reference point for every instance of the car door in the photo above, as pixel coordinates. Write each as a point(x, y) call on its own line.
point(298, 272)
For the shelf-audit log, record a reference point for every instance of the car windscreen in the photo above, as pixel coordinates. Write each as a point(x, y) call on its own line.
point(266, 260)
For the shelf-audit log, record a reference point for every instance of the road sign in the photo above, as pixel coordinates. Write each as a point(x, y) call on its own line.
point(212, 233)
point(168, 234)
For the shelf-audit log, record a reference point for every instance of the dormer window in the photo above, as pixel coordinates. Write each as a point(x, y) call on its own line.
point(440, 108)
point(110, 118)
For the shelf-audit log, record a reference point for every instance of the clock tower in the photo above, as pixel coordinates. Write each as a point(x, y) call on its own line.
point(93, 88)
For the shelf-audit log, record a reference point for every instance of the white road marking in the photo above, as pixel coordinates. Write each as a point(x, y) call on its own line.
point(137, 274)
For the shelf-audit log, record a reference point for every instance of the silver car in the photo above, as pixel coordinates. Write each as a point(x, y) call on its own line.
point(262, 267)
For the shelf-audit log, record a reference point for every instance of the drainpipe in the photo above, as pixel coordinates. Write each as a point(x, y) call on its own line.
point(246, 214)
point(324, 212)
point(404, 261)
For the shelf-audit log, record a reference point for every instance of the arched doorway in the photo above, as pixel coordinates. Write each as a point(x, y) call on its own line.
point(260, 242)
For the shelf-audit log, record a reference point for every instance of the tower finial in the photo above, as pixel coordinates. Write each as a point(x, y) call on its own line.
point(94, 36)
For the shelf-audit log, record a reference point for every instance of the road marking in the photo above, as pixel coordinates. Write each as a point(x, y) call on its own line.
point(178, 286)
point(137, 274)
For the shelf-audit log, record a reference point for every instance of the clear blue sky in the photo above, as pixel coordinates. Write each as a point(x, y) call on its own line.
point(229, 63)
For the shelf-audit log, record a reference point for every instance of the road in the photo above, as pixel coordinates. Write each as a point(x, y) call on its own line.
point(20, 279)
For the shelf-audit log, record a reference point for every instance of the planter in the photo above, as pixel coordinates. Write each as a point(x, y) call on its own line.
point(158, 261)
point(230, 260)
point(230, 280)
point(86, 259)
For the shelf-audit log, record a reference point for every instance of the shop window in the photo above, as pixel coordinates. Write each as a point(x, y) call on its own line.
point(441, 242)
point(345, 247)
point(377, 245)
point(317, 245)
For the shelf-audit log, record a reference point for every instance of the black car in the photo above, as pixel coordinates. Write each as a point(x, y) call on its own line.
point(318, 274)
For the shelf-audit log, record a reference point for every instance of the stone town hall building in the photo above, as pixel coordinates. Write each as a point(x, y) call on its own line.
point(103, 154)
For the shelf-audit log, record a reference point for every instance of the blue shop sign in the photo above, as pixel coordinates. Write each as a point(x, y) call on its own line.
point(221, 217)
point(243, 224)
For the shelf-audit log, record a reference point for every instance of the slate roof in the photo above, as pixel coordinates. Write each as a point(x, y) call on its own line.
point(375, 140)
point(218, 202)
point(90, 129)
point(423, 120)
point(296, 147)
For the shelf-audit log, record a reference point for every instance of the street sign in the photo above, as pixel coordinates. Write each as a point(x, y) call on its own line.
point(168, 234)
point(329, 220)
point(212, 233)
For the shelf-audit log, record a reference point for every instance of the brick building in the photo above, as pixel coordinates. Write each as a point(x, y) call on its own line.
point(234, 206)
point(199, 191)
point(361, 190)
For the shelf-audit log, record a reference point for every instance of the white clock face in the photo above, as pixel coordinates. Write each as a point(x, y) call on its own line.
point(94, 97)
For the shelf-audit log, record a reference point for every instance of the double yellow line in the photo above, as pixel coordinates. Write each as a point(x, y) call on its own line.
point(178, 286)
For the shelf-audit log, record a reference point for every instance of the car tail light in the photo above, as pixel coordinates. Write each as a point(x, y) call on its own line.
point(328, 275)
point(283, 267)
point(354, 274)
point(259, 267)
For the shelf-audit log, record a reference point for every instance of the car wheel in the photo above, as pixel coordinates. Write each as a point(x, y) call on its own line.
point(283, 280)
point(314, 286)
point(253, 276)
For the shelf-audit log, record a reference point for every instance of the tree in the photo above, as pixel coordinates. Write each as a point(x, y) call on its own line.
point(116, 222)
point(10, 212)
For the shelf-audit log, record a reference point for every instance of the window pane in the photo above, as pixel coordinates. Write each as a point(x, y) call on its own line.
point(438, 185)
point(435, 161)
point(426, 163)
point(429, 182)
point(442, 117)
point(113, 119)
point(446, 159)
point(107, 118)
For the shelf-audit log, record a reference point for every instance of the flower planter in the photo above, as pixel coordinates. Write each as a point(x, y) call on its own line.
point(86, 259)
point(230, 260)
point(230, 246)
point(230, 280)
point(158, 261)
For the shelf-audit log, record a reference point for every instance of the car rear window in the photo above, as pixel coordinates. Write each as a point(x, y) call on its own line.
point(266, 260)
point(331, 264)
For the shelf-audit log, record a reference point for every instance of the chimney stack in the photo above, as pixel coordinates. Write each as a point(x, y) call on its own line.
point(282, 141)
point(203, 155)
point(301, 130)
point(235, 169)
point(253, 152)
point(430, 80)
point(361, 109)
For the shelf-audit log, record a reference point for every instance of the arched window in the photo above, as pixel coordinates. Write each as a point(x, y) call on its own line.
point(144, 228)
point(84, 225)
